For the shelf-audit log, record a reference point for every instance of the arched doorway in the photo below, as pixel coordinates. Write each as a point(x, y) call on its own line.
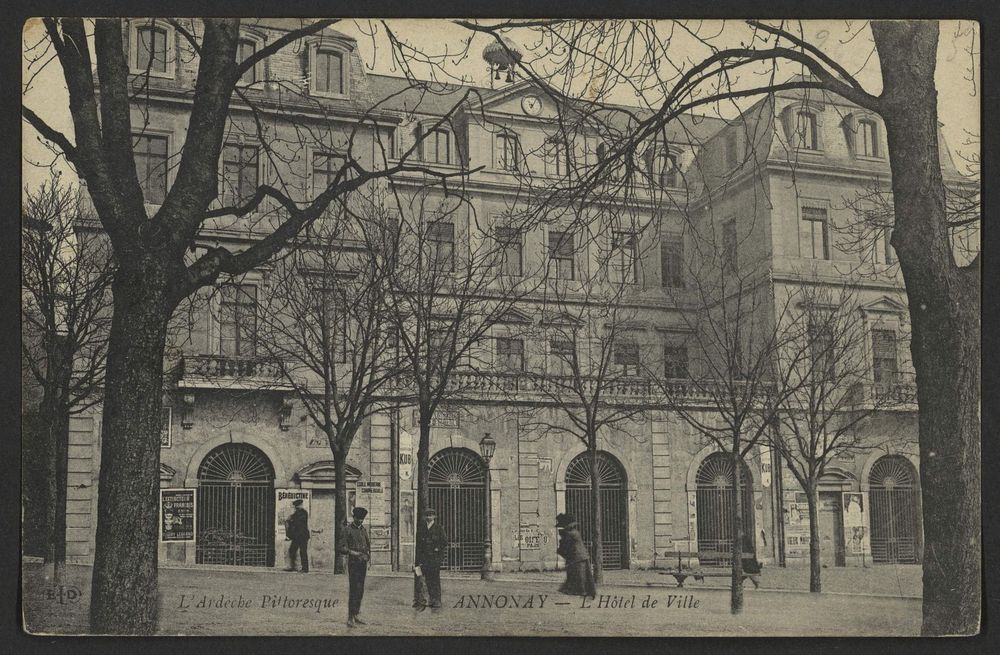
point(458, 493)
point(716, 497)
point(893, 518)
point(235, 507)
point(614, 505)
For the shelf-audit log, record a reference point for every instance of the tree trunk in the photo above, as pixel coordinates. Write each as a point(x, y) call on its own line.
point(340, 506)
point(812, 500)
point(736, 590)
point(123, 588)
point(944, 304)
point(596, 518)
point(423, 472)
point(36, 459)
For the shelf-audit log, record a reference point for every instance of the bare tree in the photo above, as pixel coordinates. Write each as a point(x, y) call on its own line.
point(832, 397)
point(325, 326)
point(65, 315)
point(161, 260)
point(943, 293)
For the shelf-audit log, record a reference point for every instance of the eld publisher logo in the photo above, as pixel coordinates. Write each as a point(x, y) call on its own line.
point(64, 594)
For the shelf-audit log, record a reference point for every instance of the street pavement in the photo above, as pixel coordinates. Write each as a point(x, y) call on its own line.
point(235, 601)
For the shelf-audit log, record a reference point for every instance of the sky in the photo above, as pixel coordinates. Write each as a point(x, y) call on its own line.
point(458, 53)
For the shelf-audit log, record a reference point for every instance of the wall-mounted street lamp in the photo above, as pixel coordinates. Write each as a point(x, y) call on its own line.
point(488, 446)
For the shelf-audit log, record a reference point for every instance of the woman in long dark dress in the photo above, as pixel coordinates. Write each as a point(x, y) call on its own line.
point(579, 575)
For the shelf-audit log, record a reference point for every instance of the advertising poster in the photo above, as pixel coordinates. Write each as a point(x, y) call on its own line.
point(283, 499)
point(405, 455)
point(177, 514)
point(371, 496)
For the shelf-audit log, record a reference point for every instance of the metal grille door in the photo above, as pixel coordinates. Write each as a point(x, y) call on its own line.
point(458, 493)
point(235, 507)
point(892, 495)
point(716, 500)
point(614, 508)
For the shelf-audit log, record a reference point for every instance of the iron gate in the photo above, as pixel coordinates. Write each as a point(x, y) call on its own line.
point(235, 507)
point(892, 495)
point(716, 498)
point(458, 493)
point(614, 507)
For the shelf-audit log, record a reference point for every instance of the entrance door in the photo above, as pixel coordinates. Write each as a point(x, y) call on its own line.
point(893, 516)
point(235, 507)
point(831, 529)
point(614, 510)
point(716, 499)
point(458, 493)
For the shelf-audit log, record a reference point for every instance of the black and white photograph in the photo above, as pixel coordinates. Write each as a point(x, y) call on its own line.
point(514, 327)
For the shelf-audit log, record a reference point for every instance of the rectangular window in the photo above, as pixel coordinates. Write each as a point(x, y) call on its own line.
point(441, 241)
point(556, 158)
point(868, 138)
point(151, 49)
point(238, 320)
point(325, 168)
point(508, 152)
point(815, 233)
point(509, 243)
point(821, 347)
point(729, 247)
point(672, 262)
point(239, 173)
point(385, 146)
point(329, 72)
point(884, 363)
point(624, 258)
point(561, 255)
point(562, 354)
point(245, 49)
point(675, 362)
point(882, 251)
point(151, 167)
point(437, 147)
point(626, 357)
point(335, 323)
point(510, 354)
point(806, 132)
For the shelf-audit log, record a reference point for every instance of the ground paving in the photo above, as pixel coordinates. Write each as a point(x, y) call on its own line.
point(199, 601)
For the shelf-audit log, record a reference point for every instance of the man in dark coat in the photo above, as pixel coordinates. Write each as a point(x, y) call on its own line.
point(432, 547)
point(579, 575)
point(297, 529)
point(355, 544)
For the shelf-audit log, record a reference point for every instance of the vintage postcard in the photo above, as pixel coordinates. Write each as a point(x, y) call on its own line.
point(500, 327)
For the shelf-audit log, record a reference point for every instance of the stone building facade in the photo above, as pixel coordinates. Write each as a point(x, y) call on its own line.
point(237, 436)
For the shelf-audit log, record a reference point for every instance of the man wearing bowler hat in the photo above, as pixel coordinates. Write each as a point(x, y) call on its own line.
point(297, 529)
point(355, 544)
point(432, 546)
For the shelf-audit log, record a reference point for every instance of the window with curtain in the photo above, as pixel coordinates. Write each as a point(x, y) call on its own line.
point(561, 255)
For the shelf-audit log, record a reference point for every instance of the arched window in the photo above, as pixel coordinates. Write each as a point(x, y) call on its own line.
point(244, 49)
point(662, 166)
point(806, 130)
point(152, 48)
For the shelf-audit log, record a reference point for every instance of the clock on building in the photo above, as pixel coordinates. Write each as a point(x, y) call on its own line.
point(532, 105)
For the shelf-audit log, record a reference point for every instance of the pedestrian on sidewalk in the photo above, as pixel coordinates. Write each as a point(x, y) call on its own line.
point(297, 529)
point(355, 544)
point(579, 575)
point(432, 545)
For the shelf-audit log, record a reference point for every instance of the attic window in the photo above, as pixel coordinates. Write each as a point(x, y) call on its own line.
point(806, 134)
point(152, 49)
point(329, 68)
point(867, 138)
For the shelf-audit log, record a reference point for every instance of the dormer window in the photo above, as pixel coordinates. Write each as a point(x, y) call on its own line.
point(244, 50)
point(152, 51)
point(437, 146)
point(662, 167)
point(806, 131)
point(329, 68)
point(867, 139)
point(556, 158)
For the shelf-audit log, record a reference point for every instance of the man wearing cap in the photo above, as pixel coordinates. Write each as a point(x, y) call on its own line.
point(297, 529)
point(432, 545)
point(355, 544)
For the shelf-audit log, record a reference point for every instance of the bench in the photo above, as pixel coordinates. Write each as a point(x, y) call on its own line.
point(680, 572)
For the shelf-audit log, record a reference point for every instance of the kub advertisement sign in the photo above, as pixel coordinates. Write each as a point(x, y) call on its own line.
point(177, 510)
point(405, 455)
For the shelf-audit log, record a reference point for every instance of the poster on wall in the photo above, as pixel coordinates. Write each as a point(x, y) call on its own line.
point(854, 509)
point(283, 508)
point(177, 515)
point(371, 496)
point(405, 455)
